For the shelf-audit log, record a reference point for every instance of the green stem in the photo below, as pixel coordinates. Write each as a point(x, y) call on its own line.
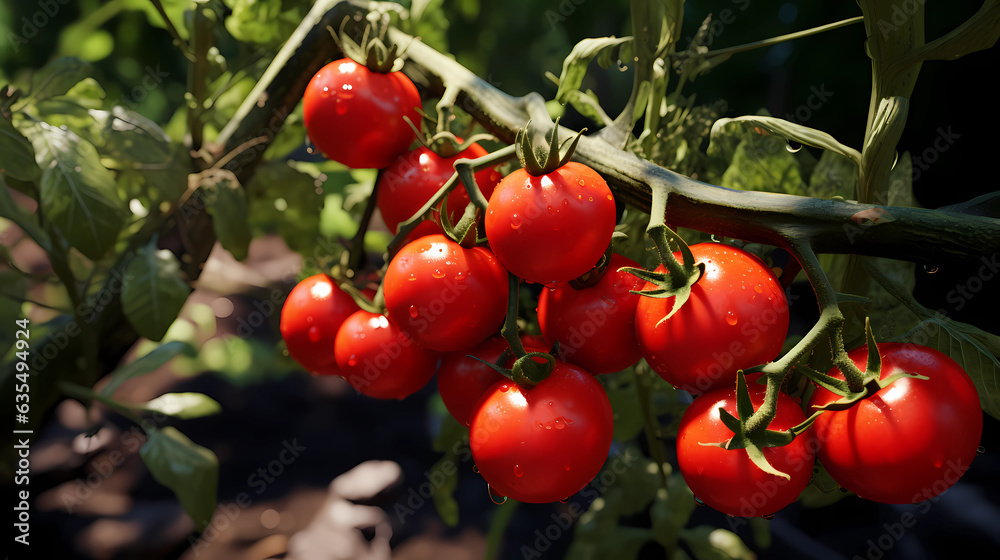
point(185, 50)
point(356, 253)
point(509, 329)
point(729, 51)
point(85, 395)
point(501, 519)
point(202, 40)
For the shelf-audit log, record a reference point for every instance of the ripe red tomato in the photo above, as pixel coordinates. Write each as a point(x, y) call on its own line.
point(551, 228)
point(546, 443)
point(310, 317)
point(595, 326)
point(413, 178)
point(728, 480)
point(462, 380)
point(355, 116)
point(910, 441)
point(444, 296)
point(736, 318)
point(379, 360)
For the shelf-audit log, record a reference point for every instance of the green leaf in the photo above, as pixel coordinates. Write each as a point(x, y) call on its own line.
point(190, 470)
point(575, 65)
point(78, 194)
point(628, 416)
point(444, 499)
point(288, 202)
point(146, 364)
point(764, 165)
point(262, 21)
point(133, 141)
point(57, 77)
point(709, 543)
point(183, 405)
point(788, 131)
point(226, 202)
point(11, 211)
point(17, 157)
point(153, 291)
point(834, 175)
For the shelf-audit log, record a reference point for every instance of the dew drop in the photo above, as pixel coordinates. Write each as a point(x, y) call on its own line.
point(566, 467)
point(564, 500)
point(579, 197)
point(567, 420)
point(582, 184)
point(793, 149)
point(550, 403)
point(551, 210)
point(559, 424)
point(352, 361)
point(548, 426)
point(518, 471)
point(515, 221)
point(340, 108)
point(475, 469)
point(768, 517)
point(497, 498)
point(413, 311)
point(565, 202)
point(715, 239)
point(610, 197)
point(698, 501)
point(314, 334)
point(980, 450)
point(701, 470)
point(590, 199)
point(930, 269)
point(504, 388)
point(413, 276)
point(759, 289)
point(731, 318)
point(437, 273)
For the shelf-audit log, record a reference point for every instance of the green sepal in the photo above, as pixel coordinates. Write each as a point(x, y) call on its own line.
point(553, 156)
point(828, 382)
point(873, 369)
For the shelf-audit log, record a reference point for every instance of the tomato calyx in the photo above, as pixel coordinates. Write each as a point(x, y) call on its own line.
point(371, 52)
point(753, 441)
point(676, 282)
point(870, 384)
point(542, 160)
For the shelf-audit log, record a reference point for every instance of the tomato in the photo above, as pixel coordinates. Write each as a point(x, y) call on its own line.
point(413, 178)
point(551, 228)
point(355, 115)
point(379, 360)
point(595, 326)
point(736, 318)
point(444, 296)
point(909, 441)
point(546, 443)
point(310, 317)
point(462, 380)
point(726, 479)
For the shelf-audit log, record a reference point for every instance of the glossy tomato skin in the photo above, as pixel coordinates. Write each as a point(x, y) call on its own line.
point(727, 480)
point(413, 178)
point(551, 228)
point(736, 318)
point(379, 360)
point(909, 441)
point(444, 296)
point(310, 318)
point(542, 444)
point(463, 380)
point(355, 116)
point(595, 326)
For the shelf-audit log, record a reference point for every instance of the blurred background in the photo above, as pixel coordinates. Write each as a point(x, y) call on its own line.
point(284, 436)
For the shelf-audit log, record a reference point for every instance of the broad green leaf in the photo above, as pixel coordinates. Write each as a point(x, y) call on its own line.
point(17, 157)
point(175, 10)
point(262, 21)
point(226, 202)
point(627, 413)
point(288, 202)
point(183, 405)
point(78, 194)
point(153, 291)
point(143, 365)
point(190, 470)
point(764, 165)
point(786, 130)
point(834, 175)
point(444, 499)
point(57, 77)
point(575, 65)
point(11, 211)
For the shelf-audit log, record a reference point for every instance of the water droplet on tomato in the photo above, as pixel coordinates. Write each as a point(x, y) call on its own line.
point(579, 197)
point(698, 501)
point(437, 273)
point(565, 202)
point(504, 388)
point(611, 197)
point(314, 334)
point(497, 498)
point(759, 289)
point(515, 221)
point(930, 269)
point(566, 467)
point(340, 108)
point(731, 318)
point(559, 424)
point(352, 361)
point(413, 276)
point(591, 199)
point(518, 471)
point(769, 516)
point(567, 420)
point(980, 450)
point(550, 403)
point(475, 469)
point(414, 311)
point(564, 500)
point(551, 210)
point(582, 184)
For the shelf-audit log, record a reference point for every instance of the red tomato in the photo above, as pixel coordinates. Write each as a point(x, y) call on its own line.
point(444, 296)
point(355, 116)
point(728, 480)
point(546, 443)
point(910, 441)
point(595, 326)
point(736, 318)
point(413, 178)
point(379, 360)
point(551, 228)
point(462, 380)
point(310, 317)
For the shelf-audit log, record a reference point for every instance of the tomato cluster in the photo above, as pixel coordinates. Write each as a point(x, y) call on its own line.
point(544, 439)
